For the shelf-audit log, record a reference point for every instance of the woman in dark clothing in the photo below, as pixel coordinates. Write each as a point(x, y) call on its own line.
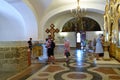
point(52, 47)
point(52, 51)
point(30, 45)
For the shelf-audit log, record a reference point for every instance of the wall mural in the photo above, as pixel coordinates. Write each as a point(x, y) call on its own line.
point(88, 25)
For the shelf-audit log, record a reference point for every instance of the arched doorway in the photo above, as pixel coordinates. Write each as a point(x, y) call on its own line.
point(80, 39)
point(80, 31)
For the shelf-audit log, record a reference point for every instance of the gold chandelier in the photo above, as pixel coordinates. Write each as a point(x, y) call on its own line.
point(78, 14)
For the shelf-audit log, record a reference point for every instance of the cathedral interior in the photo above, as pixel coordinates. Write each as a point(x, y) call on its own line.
point(79, 21)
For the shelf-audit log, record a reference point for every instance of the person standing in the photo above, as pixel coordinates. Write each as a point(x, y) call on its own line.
point(30, 44)
point(102, 38)
point(48, 46)
point(99, 47)
point(94, 44)
point(52, 51)
point(67, 49)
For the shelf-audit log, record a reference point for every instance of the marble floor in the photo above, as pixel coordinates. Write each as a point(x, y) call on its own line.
point(82, 66)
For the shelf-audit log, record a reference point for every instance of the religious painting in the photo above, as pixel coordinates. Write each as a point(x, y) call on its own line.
point(118, 8)
point(111, 29)
point(107, 7)
point(106, 27)
point(106, 24)
point(114, 1)
point(88, 24)
point(118, 32)
point(111, 11)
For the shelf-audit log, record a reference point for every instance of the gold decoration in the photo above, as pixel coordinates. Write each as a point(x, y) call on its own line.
point(52, 31)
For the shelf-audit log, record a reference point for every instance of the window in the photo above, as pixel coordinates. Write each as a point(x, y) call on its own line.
point(78, 38)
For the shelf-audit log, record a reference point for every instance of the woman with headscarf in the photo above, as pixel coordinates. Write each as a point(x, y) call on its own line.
point(99, 47)
point(67, 49)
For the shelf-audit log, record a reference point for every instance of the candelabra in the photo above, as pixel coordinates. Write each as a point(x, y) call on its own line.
point(78, 14)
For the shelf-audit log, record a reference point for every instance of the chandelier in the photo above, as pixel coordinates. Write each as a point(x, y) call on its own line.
point(78, 14)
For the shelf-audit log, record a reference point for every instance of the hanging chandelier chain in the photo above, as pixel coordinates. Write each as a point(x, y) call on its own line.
point(78, 14)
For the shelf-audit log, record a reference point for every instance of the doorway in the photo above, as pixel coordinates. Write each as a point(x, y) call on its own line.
point(80, 39)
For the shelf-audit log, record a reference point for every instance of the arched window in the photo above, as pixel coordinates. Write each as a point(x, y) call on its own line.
point(78, 38)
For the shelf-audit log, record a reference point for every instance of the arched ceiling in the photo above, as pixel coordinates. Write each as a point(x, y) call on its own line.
point(35, 14)
point(45, 9)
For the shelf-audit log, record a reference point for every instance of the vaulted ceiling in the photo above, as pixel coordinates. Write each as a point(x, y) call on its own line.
point(31, 16)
